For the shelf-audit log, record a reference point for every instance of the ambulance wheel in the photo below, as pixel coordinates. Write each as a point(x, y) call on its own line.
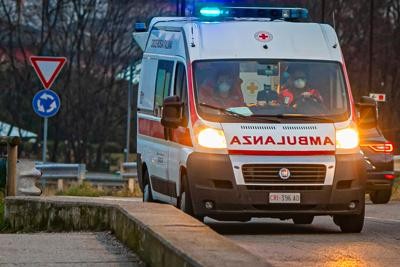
point(303, 219)
point(185, 200)
point(350, 223)
point(147, 194)
point(380, 196)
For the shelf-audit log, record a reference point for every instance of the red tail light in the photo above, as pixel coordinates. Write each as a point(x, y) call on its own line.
point(386, 148)
point(389, 176)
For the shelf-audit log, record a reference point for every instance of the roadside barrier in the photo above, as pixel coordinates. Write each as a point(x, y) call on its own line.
point(129, 174)
point(60, 173)
point(105, 180)
point(27, 178)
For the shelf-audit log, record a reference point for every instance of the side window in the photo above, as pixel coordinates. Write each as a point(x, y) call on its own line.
point(181, 88)
point(163, 84)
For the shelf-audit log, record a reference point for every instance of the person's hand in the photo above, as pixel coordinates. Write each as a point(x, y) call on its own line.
point(261, 103)
point(306, 94)
point(273, 103)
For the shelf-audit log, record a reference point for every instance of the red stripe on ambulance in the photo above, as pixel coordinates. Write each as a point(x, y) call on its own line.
point(154, 129)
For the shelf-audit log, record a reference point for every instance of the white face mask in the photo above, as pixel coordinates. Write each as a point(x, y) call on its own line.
point(300, 83)
point(224, 87)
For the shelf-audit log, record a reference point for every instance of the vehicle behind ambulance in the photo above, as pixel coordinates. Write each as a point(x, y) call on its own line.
point(248, 112)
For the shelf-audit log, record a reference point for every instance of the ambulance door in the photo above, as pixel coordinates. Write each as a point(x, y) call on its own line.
point(177, 145)
point(160, 146)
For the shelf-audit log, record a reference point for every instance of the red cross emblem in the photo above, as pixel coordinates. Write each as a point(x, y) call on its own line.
point(263, 36)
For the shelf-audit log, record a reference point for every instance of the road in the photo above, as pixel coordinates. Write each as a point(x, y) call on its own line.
point(283, 243)
point(65, 249)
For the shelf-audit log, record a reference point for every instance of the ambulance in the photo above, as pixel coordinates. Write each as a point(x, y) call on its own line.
point(247, 112)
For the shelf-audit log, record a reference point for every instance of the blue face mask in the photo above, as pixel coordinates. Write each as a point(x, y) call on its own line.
point(285, 75)
point(300, 83)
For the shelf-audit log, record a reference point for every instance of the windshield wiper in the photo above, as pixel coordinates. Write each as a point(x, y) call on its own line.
point(235, 114)
point(297, 116)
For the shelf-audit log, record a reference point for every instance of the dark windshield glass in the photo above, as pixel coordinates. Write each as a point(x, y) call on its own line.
point(267, 88)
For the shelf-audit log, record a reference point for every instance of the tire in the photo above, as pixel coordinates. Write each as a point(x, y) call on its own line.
point(147, 192)
point(350, 223)
point(380, 196)
point(185, 200)
point(303, 219)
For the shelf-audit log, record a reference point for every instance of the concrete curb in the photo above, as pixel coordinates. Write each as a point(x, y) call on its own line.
point(160, 234)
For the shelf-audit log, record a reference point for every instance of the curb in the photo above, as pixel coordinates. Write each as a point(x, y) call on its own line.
point(160, 234)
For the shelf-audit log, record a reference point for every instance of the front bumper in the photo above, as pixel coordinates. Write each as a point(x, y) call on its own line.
point(211, 179)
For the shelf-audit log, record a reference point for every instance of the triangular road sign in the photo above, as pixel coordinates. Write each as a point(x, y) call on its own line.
point(47, 68)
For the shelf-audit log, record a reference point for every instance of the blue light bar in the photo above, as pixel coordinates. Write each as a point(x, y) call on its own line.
point(210, 11)
point(140, 27)
point(273, 13)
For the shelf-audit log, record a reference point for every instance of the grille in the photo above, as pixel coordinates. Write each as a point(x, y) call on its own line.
point(269, 173)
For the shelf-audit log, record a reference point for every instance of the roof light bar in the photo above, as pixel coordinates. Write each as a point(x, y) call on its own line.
point(210, 11)
point(223, 12)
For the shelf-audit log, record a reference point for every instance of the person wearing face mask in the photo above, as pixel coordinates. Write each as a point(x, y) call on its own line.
point(225, 93)
point(298, 89)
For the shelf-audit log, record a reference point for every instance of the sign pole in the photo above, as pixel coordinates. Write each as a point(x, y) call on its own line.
point(45, 127)
point(128, 121)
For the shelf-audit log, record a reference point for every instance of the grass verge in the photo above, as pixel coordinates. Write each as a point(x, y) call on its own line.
point(87, 190)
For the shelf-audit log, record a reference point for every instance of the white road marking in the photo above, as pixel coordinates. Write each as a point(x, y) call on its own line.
point(384, 220)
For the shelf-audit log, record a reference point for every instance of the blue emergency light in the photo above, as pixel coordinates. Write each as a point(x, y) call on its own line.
point(140, 27)
point(216, 12)
point(210, 11)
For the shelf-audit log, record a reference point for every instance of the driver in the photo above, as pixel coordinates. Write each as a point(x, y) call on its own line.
point(297, 88)
point(225, 93)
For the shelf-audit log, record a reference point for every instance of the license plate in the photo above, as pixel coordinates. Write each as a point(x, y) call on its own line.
point(284, 197)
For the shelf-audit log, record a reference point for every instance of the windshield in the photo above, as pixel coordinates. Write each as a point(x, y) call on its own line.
point(271, 88)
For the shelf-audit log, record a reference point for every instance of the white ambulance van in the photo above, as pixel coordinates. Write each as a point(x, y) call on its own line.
point(248, 112)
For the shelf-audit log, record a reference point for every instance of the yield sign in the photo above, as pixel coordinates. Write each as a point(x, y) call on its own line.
point(47, 68)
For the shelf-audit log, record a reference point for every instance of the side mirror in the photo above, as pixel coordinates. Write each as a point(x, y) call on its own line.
point(172, 114)
point(367, 113)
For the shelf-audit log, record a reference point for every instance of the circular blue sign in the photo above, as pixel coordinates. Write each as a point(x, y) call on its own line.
point(46, 103)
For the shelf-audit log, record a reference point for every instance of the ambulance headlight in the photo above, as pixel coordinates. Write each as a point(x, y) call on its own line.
point(347, 138)
point(211, 138)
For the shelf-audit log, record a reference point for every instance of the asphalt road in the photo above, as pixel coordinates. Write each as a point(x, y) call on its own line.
point(283, 243)
point(65, 249)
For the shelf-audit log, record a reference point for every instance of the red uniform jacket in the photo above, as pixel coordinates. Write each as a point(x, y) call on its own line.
point(286, 96)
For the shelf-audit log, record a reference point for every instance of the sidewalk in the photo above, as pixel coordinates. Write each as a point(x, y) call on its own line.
point(62, 249)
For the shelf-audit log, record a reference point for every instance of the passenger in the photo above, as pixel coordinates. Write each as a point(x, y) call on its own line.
point(224, 93)
point(297, 89)
point(267, 97)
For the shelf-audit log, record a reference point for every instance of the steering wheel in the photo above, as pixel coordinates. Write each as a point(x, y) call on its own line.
point(309, 104)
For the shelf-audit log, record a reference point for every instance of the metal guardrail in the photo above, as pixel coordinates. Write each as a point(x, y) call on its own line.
point(51, 171)
point(104, 180)
point(129, 170)
point(58, 173)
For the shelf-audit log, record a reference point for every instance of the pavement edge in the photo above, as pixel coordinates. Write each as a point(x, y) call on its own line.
point(160, 234)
